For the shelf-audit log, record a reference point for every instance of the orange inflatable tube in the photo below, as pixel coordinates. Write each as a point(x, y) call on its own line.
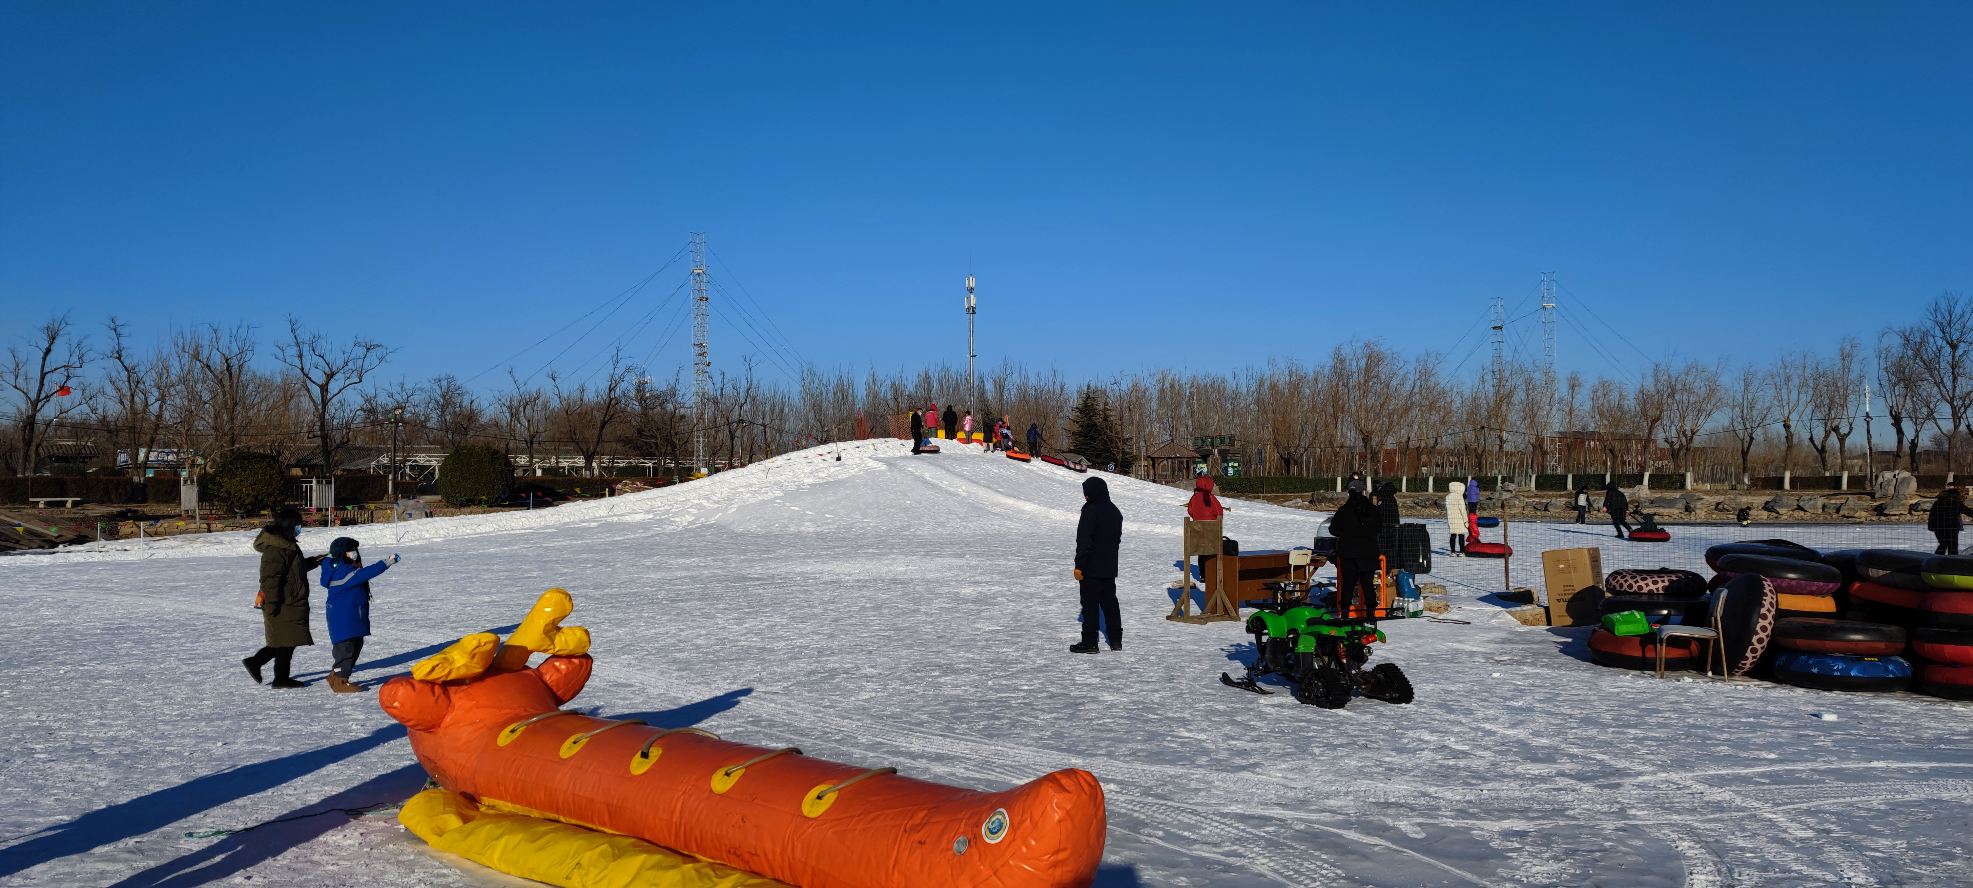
point(489, 727)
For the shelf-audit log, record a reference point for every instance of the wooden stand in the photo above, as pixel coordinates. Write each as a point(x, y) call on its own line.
point(1204, 539)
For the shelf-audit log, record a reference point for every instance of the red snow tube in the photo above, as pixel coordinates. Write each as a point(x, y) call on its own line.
point(1746, 621)
point(1941, 680)
point(1640, 651)
point(1650, 536)
point(1489, 550)
point(1850, 637)
point(1878, 593)
point(1949, 610)
point(1953, 646)
point(1018, 456)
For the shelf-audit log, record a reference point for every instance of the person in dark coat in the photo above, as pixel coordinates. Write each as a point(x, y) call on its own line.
point(1947, 519)
point(1618, 506)
point(1034, 439)
point(347, 581)
point(917, 431)
point(1385, 497)
point(283, 597)
point(1098, 534)
point(1355, 527)
point(951, 422)
point(1582, 504)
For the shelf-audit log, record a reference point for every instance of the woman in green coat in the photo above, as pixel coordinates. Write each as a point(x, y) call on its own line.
point(283, 597)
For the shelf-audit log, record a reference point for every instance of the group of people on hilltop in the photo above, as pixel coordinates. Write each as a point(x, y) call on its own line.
point(926, 424)
point(284, 606)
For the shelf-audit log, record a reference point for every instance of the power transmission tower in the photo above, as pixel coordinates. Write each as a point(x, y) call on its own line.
point(1499, 342)
point(701, 352)
point(972, 382)
point(1548, 324)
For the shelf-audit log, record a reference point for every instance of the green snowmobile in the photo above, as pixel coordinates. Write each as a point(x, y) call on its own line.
point(1320, 654)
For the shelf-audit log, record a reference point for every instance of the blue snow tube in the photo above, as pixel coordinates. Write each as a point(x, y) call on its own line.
point(1489, 521)
point(1840, 672)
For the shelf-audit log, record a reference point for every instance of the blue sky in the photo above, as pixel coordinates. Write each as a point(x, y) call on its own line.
point(1136, 185)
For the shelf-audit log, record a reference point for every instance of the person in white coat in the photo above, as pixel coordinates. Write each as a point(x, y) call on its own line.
point(1455, 517)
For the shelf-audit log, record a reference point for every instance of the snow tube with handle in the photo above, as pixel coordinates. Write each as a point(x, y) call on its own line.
point(1944, 680)
point(1775, 548)
point(491, 731)
point(1786, 575)
point(1651, 536)
point(1896, 568)
point(1878, 593)
point(1746, 621)
point(1948, 572)
point(1949, 609)
point(1936, 645)
point(1489, 550)
point(1640, 651)
point(1658, 610)
point(1837, 672)
point(1663, 582)
point(1854, 638)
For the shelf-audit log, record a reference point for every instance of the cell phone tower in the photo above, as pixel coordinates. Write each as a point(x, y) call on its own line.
point(1499, 342)
point(701, 352)
point(1548, 324)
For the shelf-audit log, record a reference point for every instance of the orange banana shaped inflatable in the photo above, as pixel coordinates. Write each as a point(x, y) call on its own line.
point(551, 795)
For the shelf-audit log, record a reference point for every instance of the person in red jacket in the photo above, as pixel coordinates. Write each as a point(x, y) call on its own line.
point(1204, 505)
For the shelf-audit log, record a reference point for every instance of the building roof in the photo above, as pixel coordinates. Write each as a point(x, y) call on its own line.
point(1171, 450)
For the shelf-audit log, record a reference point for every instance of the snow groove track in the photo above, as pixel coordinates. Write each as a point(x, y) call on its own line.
point(881, 609)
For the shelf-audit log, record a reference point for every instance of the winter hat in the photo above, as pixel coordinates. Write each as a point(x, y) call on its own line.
point(287, 516)
point(1095, 489)
point(1203, 483)
point(341, 547)
point(1356, 485)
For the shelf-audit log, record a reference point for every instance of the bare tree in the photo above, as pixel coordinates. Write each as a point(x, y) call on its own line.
point(40, 372)
point(139, 391)
point(224, 383)
point(588, 418)
point(1941, 349)
point(1900, 382)
point(327, 372)
point(527, 413)
point(1610, 406)
point(1788, 386)
point(454, 412)
point(1748, 411)
point(1693, 397)
point(1833, 387)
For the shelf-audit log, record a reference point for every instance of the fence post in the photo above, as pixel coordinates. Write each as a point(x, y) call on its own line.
point(1404, 484)
point(1787, 479)
point(1845, 483)
point(1339, 484)
point(1688, 479)
point(1431, 483)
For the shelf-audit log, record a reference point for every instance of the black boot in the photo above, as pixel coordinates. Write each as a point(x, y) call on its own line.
point(1083, 647)
point(253, 669)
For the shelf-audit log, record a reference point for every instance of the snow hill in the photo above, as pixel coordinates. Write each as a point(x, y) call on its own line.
point(884, 609)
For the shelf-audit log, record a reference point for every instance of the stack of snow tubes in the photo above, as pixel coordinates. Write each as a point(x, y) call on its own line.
point(1783, 615)
point(1664, 596)
point(1943, 636)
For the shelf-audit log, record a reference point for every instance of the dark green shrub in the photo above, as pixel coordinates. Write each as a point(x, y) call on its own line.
point(474, 475)
point(246, 483)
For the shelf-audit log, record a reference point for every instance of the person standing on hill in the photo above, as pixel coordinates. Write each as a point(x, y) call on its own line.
point(1618, 506)
point(1034, 439)
point(1455, 517)
point(1947, 519)
point(951, 422)
point(283, 597)
point(966, 427)
point(917, 431)
point(1098, 534)
point(1204, 505)
point(1355, 528)
point(346, 579)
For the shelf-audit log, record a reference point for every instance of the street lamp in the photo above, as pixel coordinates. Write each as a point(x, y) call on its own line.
point(972, 383)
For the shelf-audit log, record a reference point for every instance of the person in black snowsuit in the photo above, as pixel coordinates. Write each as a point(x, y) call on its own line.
point(917, 431)
point(1618, 506)
point(1097, 536)
point(1034, 439)
point(951, 422)
point(1388, 519)
point(1947, 519)
point(1355, 527)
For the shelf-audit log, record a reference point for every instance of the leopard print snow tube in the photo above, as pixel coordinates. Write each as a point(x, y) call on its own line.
point(1666, 582)
point(1750, 615)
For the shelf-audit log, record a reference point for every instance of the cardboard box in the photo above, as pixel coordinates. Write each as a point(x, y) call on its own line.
point(1566, 573)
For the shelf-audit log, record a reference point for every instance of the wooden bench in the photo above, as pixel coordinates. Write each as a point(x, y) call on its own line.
point(41, 502)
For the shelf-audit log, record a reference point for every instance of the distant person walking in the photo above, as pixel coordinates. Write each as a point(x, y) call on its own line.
point(917, 431)
point(1034, 439)
point(1472, 496)
point(951, 422)
point(1947, 519)
point(966, 427)
point(1582, 504)
point(1204, 506)
point(1455, 517)
point(1618, 506)
point(283, 597)
point(346, 579)
point(1098, 534)
point(1355, 528)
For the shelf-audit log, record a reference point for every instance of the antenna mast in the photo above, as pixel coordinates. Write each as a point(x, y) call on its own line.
point(701, 353)
point(972, 382)
point(1499, 342)
point(1548, 324)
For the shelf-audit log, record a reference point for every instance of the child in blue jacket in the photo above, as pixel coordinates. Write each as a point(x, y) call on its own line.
point(348, 582)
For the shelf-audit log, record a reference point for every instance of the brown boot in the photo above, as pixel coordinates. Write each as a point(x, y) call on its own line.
point(343, 685)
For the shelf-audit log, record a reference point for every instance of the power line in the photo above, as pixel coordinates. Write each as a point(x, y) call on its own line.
point(498, 364)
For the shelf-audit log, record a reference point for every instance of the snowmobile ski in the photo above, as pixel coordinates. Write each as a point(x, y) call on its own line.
point(1245, 684)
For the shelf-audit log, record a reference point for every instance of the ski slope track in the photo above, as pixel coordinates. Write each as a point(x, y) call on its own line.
point(884, 609)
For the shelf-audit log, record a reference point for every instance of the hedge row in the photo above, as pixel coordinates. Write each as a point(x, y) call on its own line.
point(110, 489)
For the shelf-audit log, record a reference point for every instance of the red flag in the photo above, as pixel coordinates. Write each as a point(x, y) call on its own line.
point(64, 392)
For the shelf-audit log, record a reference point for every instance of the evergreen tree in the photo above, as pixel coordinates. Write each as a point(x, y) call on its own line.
point(1095, 434)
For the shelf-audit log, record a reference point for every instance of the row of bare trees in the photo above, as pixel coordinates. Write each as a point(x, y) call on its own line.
point(1366, 406)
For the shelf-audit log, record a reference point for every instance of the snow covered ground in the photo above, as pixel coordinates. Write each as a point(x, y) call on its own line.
point(883, 609)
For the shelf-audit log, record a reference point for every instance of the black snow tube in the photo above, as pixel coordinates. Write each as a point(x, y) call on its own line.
point(1746, 621)
point(1849, 637)
point(1640, 651)
point(1835, 672)
point(1948, 572)
point(1664, 582)
point(1657, 609)
point(1895, 568)
point(1941, 680)
point(1954, 646)
point(1771, 548)
point(1788, 575)
point(1844, 560)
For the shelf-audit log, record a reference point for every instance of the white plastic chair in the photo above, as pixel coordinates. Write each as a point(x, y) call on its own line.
point(1712, 636)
